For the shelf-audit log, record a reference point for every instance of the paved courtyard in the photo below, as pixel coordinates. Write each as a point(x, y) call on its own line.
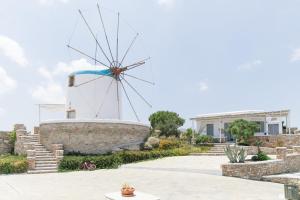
point(175, 178)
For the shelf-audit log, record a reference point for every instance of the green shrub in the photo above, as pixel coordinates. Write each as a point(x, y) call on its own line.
point(12, 141)
point(169, 144)
point(260, 156)
point(235, 154)
point(115, 160)
point(204, 139)
point(188, 135)
point(13, 164)
point(101, 162)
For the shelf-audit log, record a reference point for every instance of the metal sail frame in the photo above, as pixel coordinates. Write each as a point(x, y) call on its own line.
point(118, 71)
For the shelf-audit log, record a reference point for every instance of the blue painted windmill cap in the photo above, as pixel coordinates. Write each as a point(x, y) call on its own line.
point(103, 72)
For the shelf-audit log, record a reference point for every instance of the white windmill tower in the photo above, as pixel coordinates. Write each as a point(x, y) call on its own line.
point(97, 94)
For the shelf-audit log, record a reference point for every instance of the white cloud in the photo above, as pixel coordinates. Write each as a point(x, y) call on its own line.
point(13, 51)
point(74, 65)
point(45, 73)
point(295, 55)
point(51, 92)
point(2, 111)
point(203, 86)
point(7, 83)
point(166, 3)
point(250, 65)
point(51, 2)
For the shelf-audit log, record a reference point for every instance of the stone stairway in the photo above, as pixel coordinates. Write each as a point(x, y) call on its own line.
point(216, 150)
point(44, 160)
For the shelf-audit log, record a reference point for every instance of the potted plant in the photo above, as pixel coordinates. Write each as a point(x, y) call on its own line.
point(127, 190)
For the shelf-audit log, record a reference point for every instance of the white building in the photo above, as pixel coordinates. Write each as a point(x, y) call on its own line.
point(216, 124)
point(93, 94)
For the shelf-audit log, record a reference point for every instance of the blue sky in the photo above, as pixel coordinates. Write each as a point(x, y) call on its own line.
point(207, 56)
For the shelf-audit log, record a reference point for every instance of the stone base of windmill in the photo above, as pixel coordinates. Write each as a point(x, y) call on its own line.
point(93, 136)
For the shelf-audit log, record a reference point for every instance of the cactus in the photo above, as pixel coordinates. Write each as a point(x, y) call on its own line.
point(235, 154)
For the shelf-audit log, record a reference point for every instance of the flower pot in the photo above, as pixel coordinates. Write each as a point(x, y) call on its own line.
point(127, 192)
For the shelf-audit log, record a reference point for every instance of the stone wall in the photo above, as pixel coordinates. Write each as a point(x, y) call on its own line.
point(256, 170)
point(93, 137)
point(21, 145)
point(277, 140)
point(252, 150)
point(5, 146)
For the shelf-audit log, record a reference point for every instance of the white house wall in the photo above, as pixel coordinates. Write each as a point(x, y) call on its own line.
point(219, 124)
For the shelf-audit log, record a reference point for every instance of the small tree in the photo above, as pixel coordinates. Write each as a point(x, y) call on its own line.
point(167, 122)
point(188, 135)
point(242, 130)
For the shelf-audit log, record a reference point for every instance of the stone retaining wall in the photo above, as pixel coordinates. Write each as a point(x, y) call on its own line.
point(5, 145)
point(273, 141)
point(93, 137)
point(252, 150)
point(256, 170)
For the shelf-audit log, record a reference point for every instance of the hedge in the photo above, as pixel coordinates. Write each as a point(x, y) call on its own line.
point(13, 164)
point(115, 160)
point(101, 162)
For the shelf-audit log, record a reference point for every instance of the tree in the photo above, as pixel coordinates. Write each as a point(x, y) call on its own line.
point(167, 122)
point(188, 135)
point(243, 129)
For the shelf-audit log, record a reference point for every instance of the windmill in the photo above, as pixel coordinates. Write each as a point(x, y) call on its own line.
point(106, 103)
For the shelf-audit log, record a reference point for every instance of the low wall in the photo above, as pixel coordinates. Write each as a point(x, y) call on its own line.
point(93, 137)
point(285, 140)
point(252, 150)
point(256, 170)
point(5, 146)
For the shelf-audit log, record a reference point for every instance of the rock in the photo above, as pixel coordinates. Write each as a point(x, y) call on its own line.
point(151, 143)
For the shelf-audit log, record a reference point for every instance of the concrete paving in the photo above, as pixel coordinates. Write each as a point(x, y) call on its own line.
point(176, 178)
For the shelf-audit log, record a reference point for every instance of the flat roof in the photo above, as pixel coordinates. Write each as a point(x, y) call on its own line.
point(243, 113)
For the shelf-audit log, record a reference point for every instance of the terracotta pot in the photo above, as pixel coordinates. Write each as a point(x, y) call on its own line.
point(127, 192)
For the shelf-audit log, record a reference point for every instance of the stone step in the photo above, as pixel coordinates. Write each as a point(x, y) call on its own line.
point(46, 161)
point(47, 165)
point(217, 148)
point(43, 151)
point(215, 152)
point(40, 149)
point(42, 171)
point(39, 146)
point(207, 154)
point(44, 157)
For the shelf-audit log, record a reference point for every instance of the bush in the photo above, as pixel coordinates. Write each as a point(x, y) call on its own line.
point(13, 164)
point(169, 144)
point(260, 156)
point(235, 154)
point(115, 160)
point(151, 143)
point(188, 135)
point(12, 141)
point(204, 139)
point(101, 162)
